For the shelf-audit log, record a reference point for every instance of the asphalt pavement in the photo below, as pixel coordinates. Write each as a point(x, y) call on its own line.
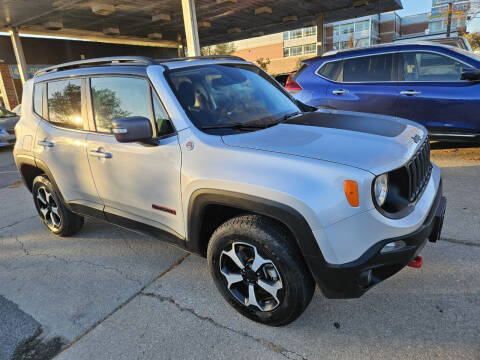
point(108, 293)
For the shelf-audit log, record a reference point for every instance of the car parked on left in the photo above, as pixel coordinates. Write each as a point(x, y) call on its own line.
point(8, 120)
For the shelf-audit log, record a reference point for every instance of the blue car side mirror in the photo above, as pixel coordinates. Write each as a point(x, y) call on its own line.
point(470, 74)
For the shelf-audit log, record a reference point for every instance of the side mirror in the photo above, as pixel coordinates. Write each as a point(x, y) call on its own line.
point(470, 74)
point(132, 129)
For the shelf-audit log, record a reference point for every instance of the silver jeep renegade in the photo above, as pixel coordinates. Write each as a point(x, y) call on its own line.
point(213, 155)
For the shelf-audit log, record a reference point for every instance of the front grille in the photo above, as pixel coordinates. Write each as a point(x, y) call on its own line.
point(11, 131)
point(419, 170)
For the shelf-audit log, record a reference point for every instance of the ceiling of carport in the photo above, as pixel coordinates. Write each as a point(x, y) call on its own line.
point(218, 20)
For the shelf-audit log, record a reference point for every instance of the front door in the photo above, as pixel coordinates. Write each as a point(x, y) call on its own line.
point(366, 84)
point(432, 94)
point(136, 181)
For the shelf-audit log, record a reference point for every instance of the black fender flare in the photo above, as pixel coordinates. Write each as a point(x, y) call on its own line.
point(285, 214)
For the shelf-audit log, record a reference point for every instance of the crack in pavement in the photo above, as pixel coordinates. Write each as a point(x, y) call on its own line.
point(126, 302)
point(28, 252)
point(276, 348)
point(461, 242)
point(17, 222)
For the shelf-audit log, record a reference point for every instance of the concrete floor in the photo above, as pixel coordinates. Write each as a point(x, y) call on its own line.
point(108, 293)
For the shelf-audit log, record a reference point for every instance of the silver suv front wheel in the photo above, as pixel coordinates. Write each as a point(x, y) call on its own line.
point(258, 269)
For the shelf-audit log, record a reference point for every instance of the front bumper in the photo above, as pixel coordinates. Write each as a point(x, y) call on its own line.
point(353, 279)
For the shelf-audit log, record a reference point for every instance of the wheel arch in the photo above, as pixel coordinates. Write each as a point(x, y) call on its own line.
point(238, 203)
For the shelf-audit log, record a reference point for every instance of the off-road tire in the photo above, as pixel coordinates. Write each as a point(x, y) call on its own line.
point(66, 223)
point(273, 242)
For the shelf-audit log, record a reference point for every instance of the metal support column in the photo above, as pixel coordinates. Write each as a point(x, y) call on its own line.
point(320, 36)
point(191, 28)
point(19, 55)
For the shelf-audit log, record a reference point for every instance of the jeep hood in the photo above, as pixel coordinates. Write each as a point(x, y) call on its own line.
point(374, 143)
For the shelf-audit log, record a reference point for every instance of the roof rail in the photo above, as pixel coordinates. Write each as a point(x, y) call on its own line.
point(208, 57)
point(114, 60)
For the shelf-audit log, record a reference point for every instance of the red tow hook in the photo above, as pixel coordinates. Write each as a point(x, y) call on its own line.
point(416, 263)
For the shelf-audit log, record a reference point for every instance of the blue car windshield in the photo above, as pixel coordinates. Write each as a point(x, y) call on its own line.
point(220, 95)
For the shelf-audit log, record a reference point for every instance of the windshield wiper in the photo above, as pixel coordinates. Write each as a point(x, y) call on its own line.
point(286, 117)
point(239, 126)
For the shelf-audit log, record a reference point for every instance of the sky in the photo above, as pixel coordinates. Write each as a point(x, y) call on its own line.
point(411, 7)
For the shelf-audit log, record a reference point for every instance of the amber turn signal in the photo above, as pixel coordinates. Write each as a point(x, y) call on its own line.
point(351, 192)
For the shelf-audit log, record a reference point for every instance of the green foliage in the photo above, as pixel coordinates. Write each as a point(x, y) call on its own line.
point(474, 40)
point(107, 107)
point(263, 63)
point(220, 49)
point(64, 106)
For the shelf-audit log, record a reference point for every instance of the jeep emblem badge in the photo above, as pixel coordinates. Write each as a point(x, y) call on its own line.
point(416, 138)
point(189, 145)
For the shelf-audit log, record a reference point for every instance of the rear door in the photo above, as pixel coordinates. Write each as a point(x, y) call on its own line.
point(61, 139)
point(365, 84)
point(432, 94)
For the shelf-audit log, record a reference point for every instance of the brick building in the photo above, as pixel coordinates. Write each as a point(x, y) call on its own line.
point(286, 50)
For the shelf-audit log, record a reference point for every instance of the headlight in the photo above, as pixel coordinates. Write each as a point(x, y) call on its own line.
point(381, 189)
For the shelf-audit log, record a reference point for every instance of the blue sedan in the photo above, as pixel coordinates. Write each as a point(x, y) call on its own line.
point(435, 85)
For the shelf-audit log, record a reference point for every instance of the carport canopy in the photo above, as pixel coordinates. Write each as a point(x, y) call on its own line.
point(166, 23)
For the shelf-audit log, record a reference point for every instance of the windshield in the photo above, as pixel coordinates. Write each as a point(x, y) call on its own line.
point(219, 95)
point(4, 113)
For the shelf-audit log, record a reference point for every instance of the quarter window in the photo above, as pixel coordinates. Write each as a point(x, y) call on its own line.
point(38, 99)
point(368, 68)
point(423, 66)
point(116, 97)
point(64, 103)
point(332, 70)
point(164, 126)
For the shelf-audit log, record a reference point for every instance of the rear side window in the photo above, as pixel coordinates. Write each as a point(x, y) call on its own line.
point(332, 70)
point(368, 68)
point(38, 99)
point(64, 101)
point(116, 97)
point(424, 66)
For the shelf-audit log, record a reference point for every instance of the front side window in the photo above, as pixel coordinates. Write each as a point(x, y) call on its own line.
point(368, 68)
point(220, 95)
point(425, 66)
point(64, 101)
point(38, 99)
point(116, 97)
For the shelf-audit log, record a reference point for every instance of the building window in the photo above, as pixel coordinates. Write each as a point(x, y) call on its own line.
point(300, 50)
point(310, 48)
point(361, 26)
point(310, 31)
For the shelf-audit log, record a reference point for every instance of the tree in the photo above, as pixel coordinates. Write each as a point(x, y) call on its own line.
point(263, 63)
point(474, 40)
point(220, 49)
